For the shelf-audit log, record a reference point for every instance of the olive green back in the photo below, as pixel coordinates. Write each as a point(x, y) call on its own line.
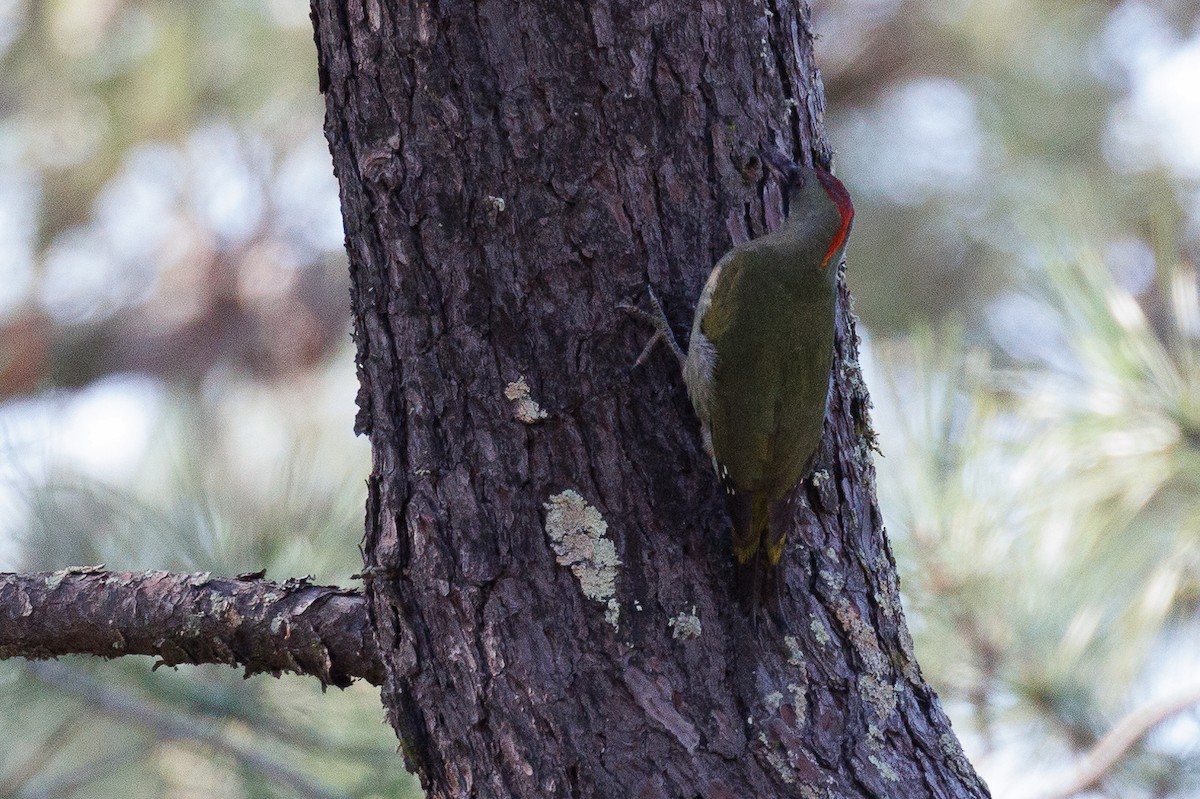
point(771, 322)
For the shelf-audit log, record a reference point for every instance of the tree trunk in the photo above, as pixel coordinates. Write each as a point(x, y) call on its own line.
point(552, 574)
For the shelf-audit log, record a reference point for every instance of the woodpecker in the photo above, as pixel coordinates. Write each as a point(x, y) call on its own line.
point(759, 360)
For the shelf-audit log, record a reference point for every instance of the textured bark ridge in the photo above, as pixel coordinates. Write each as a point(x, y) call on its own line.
point(552, 570)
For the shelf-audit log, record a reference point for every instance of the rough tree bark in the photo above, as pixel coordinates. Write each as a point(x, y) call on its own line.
point(257, 624)
point(551, 568)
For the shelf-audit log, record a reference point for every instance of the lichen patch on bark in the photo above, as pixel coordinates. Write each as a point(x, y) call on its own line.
point(685, 625)
point(795, 653)
point(524, 407)
point(877, 694)
point(799, 702)
point(885, 770)
point(577, 532)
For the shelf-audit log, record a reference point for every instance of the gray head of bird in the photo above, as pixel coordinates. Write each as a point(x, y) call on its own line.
point(813, 198)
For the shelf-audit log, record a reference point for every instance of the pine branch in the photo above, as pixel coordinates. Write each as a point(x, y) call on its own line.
point(1120, 740)
point(321, 631)
point(27, 768)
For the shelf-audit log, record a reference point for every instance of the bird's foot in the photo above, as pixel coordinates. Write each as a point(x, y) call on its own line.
point(662, 328)
point(759, 588)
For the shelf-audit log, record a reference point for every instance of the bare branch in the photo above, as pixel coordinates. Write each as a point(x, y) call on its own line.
point(174, 727)
point(1117, 743)
point(260, 625)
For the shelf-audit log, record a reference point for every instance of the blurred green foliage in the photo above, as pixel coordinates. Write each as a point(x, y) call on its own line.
point(1027, 179)
point(1046, 516)
point(256, 477)
point(176, 390)
point(172, 249)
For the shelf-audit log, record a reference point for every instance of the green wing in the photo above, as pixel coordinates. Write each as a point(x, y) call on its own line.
point(770, 321)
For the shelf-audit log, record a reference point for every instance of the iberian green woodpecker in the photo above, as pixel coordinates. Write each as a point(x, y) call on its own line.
point(759, 360)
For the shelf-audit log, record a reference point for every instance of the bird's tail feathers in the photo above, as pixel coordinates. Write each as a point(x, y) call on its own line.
point(759, 534)
point(749, 513)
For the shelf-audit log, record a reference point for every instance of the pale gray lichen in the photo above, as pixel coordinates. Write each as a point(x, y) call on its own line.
point(885, 770)
point(221, 606)
point(795, 655)
point(777, 760)
point(773, 700)
point(685, 625)
point(496, 202)
point(799, 702)
point(525, 408)
point(780, 764)
point(612, 614)
point(193, 623)
point(577, 533)
point(818, 629)
point(954, 753)
point(833, 579)
point(950, 746)
point(862, 637)
point(879, 695)
point(909, 667)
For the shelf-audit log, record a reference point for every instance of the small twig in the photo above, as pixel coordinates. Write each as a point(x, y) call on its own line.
point(260, 625)
point(1117, 742)
point(69, 783)
point(174, 727)
point(28, 768)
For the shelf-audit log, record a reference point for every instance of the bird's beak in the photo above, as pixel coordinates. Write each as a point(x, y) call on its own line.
point(783, 166)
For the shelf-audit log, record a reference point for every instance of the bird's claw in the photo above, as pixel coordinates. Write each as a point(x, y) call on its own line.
point(649, 348)
point(662, 329)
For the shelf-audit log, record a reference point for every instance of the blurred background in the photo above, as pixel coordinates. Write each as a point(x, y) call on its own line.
point(176, 379)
